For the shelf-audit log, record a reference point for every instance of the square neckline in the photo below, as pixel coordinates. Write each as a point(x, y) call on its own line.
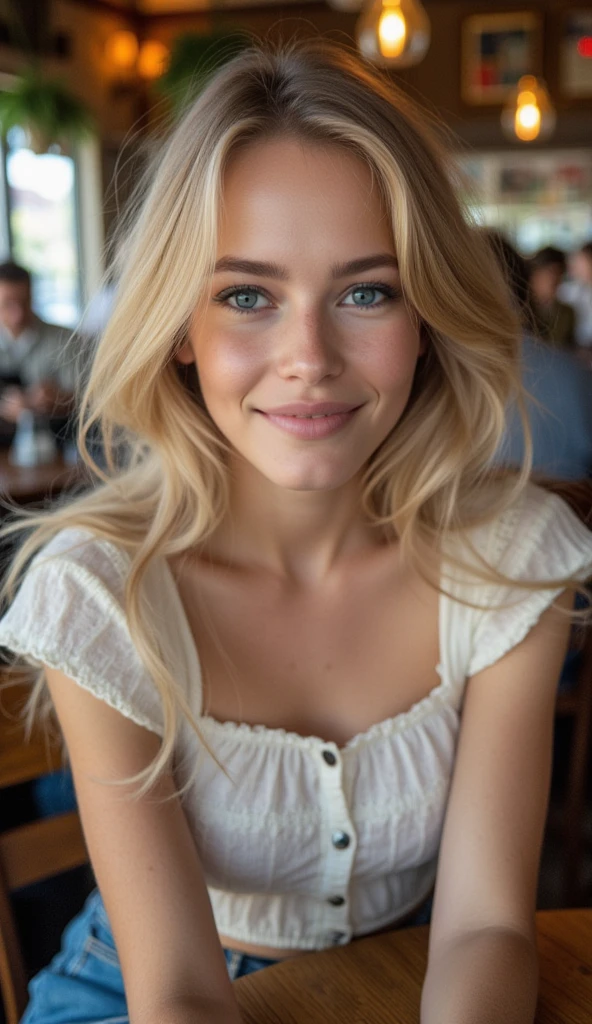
point(276, 734)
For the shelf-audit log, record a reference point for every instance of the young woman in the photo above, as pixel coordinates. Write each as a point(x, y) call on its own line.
point(259, 633)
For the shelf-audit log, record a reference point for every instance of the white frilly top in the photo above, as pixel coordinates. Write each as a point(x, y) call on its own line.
point(304, 844)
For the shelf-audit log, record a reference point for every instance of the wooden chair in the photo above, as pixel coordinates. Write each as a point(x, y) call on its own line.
point(32, 852)
point(576, 703)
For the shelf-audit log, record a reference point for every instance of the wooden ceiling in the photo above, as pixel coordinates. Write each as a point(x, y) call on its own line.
point(157, 8)
point(168, 8)
point(146, 9)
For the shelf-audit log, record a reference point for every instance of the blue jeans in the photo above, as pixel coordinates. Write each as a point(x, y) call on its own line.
point(83, 983)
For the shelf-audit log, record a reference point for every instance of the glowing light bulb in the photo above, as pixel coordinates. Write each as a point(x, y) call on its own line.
point(529, 115)
point(528, 122)
point(392, 33)
point(153, 59)
point(121, 50)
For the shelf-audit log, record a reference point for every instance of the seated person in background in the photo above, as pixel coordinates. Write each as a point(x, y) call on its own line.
point(35, 365)
point(554, 320)
point(559, 390)
point(577, 292)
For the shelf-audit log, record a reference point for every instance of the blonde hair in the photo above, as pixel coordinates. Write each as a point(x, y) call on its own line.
point(170, 492)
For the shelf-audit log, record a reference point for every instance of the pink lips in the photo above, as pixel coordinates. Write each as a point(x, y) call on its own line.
point(311, 421)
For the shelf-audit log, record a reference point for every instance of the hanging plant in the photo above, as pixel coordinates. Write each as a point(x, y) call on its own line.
point(46, 110)
point(193, 59)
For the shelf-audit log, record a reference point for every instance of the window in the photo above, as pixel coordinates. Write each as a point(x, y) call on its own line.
point(41, 226)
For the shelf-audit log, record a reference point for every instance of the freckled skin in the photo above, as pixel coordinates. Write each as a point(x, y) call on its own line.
point(305, 208)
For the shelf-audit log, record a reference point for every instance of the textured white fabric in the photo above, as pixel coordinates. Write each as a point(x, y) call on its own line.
point(266, 829)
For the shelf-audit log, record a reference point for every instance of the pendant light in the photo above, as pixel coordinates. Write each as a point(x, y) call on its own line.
point(128, 59)
point(529, 114)
point(394, 33)
point(121, 51)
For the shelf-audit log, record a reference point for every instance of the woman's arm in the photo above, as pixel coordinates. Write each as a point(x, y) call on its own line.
point(147, 868)
point(482, 965)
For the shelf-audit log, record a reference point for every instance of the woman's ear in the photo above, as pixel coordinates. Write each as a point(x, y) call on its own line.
point(185, 355)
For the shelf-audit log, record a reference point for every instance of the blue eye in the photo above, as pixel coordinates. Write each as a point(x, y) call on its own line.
point(369, 296)
point(364, 296)
point(242, 299)
point(245, 300)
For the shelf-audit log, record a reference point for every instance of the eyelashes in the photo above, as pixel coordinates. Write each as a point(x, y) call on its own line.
point(387, 292)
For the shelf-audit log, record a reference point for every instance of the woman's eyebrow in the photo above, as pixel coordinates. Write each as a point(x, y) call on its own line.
point(360, 266)
point(260, 268)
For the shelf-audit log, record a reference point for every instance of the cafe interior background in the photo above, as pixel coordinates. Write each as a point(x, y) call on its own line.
point(512, 83)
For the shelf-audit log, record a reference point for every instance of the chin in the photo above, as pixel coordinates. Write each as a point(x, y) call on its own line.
point(321, 478)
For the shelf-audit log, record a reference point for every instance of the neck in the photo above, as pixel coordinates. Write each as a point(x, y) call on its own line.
point(301, 536)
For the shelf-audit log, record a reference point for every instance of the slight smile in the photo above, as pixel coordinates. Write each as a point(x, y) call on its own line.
point(311, 421)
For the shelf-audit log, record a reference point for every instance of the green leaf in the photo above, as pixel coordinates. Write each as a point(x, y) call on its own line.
point(45, 106)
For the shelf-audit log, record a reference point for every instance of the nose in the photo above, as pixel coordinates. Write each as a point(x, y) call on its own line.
point(310, 349)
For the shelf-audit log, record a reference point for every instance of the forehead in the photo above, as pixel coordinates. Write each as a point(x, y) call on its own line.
point(291, 190)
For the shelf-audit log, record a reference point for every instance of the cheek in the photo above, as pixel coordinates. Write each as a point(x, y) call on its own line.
point(393, 357)
point(227, 366)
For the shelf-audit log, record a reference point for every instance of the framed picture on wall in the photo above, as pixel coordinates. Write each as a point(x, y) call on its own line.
point(497, 49)
point(575, 67)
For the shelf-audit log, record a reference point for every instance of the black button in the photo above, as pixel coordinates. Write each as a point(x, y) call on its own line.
point(336, 901)
point(337, 938)
point(340, 840)
point(329, 757)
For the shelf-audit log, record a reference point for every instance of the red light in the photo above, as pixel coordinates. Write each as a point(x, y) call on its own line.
point(585, 46)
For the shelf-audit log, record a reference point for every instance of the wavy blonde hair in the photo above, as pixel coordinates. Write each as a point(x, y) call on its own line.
point(170, 492)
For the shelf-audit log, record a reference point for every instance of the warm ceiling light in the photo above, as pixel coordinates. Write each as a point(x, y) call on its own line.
point(121, 50)
point(153, 59)
point(527, 122)
point(394, 33)
point(529, 115)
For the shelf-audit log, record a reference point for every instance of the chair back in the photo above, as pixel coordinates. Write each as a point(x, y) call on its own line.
point(575, 703)
point(32, 852)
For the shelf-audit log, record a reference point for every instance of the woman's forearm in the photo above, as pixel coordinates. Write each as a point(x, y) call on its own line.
point(191, 1011)
point(488, 976)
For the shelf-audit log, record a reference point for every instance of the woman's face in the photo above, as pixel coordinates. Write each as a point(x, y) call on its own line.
point(305, 351)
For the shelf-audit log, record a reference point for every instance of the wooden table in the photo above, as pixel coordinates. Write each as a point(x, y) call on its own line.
point(378, 980)
point(24, 485)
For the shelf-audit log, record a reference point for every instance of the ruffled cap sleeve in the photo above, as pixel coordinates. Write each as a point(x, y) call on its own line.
point(541, 539)
point(68, 613)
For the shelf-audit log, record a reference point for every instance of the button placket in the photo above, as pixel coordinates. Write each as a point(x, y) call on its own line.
point(339, 840)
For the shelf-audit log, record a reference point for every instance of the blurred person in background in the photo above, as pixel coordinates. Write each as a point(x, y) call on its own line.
point(577, 292)
point(36, 368)
point(559, 390)
point(554, 320)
